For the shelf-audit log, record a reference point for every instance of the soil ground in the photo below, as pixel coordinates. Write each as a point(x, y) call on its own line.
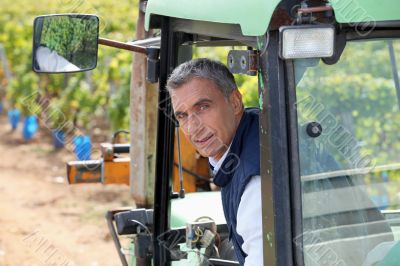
point(43, 220)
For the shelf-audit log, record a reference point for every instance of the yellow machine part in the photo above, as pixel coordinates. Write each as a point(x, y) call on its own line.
point(84, 171)
point(115, 171)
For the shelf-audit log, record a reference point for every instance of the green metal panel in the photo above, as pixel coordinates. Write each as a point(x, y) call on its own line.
point(196, 205)
point(254, 16)
point(352, 11)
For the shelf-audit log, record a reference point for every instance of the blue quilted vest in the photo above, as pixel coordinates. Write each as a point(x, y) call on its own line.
point(241, 163)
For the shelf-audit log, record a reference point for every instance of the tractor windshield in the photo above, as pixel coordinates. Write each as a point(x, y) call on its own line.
point(349, 147)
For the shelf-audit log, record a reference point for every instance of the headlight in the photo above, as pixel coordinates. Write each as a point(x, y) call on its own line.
point(310, 41)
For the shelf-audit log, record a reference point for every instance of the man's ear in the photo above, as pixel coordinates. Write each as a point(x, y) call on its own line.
point(236, 100)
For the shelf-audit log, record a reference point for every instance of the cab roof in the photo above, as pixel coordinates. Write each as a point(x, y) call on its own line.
point(254, 16)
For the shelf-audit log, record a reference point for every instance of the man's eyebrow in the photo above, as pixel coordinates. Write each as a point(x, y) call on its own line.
point(179, 113)
point(201, 101)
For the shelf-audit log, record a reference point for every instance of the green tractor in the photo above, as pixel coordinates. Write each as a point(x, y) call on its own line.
point(329, 95)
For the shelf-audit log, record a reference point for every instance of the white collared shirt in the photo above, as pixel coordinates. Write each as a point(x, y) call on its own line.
point(216, 164)
point(249, 221)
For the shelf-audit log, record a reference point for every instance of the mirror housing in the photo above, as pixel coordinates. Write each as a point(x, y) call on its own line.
point(65, 43)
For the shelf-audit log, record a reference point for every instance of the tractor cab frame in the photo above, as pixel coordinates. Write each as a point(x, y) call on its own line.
point(283, 170)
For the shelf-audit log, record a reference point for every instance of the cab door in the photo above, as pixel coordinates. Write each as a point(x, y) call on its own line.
point(348, 125)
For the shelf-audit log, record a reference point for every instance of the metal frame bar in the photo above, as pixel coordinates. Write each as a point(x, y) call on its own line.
point(268, 223)
point(275, 178)
point(165, 148)
point(212, 29)
point(113, 233)
point(274, 150)
point(294, 166)
point(122, 45)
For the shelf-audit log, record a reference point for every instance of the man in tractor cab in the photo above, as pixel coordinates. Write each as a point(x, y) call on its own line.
point(209, 108)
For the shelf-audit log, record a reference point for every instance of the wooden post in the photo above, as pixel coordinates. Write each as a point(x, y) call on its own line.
point(143, 125)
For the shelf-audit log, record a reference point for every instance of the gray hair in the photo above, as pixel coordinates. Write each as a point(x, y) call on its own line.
point(203, 68)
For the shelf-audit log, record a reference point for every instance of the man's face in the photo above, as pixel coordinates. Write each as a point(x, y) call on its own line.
point(208, 119)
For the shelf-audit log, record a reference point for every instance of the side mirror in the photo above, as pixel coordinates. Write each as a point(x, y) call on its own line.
point(65, 43)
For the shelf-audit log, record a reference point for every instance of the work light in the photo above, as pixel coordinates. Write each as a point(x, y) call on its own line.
point(307, 41)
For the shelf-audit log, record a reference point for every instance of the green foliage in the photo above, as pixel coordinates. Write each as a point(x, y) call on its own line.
point(19, 90)
point(249, 89)
point(119, 108)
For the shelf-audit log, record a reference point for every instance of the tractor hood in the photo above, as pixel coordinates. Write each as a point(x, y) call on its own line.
point(196, 205)
point(254, 16)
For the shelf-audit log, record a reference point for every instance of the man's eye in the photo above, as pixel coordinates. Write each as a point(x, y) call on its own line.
point(180, 116)
point(204, 107)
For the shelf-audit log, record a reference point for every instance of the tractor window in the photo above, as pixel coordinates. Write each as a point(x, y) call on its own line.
point(200, 193)
point(349, 147)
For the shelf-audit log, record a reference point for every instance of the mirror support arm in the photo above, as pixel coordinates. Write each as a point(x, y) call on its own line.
point(122, 45)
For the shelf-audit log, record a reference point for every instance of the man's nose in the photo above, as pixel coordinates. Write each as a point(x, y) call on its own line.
point(193, 124)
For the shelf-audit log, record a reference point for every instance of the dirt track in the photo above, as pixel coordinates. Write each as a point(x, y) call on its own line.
point(44, 221)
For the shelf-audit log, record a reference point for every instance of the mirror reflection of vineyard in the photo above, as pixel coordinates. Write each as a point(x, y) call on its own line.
point(73, 38)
